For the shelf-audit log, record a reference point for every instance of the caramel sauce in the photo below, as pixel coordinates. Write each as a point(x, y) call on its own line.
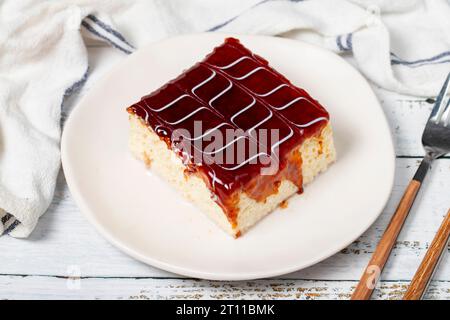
point(234, 89)
point(262, 187)
point(147, 161)
point(283, 204)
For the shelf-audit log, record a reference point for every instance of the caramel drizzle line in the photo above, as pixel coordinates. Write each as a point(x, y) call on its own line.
point(210, 103)
point(287, 105)
point(253, 95)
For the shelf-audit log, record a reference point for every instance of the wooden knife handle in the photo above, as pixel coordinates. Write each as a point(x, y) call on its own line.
point(426, 269)
point(373, 270)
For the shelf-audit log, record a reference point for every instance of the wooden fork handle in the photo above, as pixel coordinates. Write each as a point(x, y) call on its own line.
point(373, 270)
point(426, 269)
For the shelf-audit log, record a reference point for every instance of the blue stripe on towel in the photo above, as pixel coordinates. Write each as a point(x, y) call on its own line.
point(222, 24)
point(114, 44)
point(348, 42)
point(6, 218)
point(339, 43)
point(14, 222)
point(396, 60)
point(108, 28)
point(78, 84)
point(12, 226)
point(420, 62)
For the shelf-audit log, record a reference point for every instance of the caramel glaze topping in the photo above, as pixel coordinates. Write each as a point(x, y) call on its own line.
point(232, 88)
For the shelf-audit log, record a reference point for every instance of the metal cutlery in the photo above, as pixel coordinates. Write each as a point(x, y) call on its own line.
point(436, 142)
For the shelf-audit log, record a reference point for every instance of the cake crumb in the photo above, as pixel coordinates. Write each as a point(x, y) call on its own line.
point(283, 204)
point(147, 160)
point(320, 147)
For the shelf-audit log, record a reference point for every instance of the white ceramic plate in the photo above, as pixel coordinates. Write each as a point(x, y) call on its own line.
point(144, 217)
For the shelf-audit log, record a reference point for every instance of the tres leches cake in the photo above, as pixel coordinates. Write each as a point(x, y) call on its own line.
point(233, 135)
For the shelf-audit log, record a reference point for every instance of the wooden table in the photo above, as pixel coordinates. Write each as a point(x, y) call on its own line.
point(66, 258)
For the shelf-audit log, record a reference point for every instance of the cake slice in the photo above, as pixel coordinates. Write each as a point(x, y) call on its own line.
point(233, 135)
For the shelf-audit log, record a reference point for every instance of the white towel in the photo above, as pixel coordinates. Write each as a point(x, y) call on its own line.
point(399, 45)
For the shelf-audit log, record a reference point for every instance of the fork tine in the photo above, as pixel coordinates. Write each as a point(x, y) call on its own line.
point(446, 114)
point(438, 108)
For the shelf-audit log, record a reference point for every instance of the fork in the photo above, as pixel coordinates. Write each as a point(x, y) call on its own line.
point(436, 142)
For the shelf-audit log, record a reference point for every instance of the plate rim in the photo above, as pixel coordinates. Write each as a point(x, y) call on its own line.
point(184, 271)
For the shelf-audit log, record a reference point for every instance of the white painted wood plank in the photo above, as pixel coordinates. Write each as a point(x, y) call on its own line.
point(407, 119)
point(33, 287)
point(63, 238)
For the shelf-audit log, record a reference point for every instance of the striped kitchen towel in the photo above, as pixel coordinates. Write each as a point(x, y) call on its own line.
point(43, 59)
point(399, 45)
